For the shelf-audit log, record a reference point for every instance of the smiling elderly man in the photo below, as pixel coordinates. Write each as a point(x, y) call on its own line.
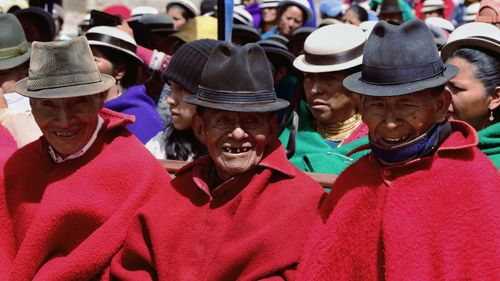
point(243, 211)
point(70, 194)
point(424, 204)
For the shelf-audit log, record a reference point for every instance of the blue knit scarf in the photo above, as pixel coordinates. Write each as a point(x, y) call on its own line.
point(424, 145)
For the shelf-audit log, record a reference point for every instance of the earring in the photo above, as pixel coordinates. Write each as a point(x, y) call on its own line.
point(491, 116)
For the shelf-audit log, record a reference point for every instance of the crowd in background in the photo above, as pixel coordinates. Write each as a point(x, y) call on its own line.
point(397, 101)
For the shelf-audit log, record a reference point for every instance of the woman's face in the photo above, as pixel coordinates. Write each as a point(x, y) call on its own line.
point(182, 112)
point(470, 102)
point(176, 14)
point(291, 19)
point(351, 18)
point(103, 64)
point(268, 14)
point(328, 100)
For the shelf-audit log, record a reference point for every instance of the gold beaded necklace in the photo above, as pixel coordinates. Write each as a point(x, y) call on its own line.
point(340, 130)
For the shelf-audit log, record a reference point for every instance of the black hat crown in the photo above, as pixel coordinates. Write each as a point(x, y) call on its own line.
point(237, 78)
point(399, 60)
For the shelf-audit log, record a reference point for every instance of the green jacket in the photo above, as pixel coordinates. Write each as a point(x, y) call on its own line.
point(489, 143)
point(313, 153)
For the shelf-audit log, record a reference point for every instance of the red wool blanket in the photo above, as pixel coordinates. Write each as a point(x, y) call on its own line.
point(69, 219)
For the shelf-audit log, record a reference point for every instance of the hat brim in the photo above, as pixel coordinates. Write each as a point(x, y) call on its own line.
point(354, 83)
point(472, 42)
point(301, 64)
point(105, 84)
point(127, 52)
point(246, 107)
point(15, 61)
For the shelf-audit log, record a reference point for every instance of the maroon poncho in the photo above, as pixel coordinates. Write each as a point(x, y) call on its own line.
point(433, 218)
point(250, 227)
point(70, 218)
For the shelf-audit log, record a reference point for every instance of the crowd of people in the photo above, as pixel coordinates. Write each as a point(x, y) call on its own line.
point(396, 102)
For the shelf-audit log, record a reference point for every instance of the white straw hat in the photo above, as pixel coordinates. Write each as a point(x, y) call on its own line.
point(115, 38)
point(332, 48)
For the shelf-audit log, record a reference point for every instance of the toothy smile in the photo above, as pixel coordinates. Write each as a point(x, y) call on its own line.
point(395, 140)
point(235, 150)
point(66, 134)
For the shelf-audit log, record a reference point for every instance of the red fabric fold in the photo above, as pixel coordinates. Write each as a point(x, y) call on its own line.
point(7, 147)
point(70, 218)
point(434, 218)
point(252, 227)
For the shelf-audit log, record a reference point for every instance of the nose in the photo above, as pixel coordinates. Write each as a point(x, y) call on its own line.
point(238, 133)
point(170, 100)
point(392, 121)
point(63, 117)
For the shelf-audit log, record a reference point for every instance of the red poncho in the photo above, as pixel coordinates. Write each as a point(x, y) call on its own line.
point(7, 147)
point(251, 227)
point(433, 218)
point(69, 219)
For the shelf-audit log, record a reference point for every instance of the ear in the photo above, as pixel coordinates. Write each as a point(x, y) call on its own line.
point(495, 99)
point(442, 104)
point(273, 125)
point(119, 71)
point(199, 128)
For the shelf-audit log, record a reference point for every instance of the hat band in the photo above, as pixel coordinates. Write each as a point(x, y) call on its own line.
point(400, 75)
point(337, 58)
point(117, 42)
point(235, 97)
point(14, 51)
point(59, 81)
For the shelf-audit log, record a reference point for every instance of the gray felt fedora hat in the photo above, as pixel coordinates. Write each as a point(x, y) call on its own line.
point(399, 60)
point(237, 78)
point(62, 70)
point(14, 48)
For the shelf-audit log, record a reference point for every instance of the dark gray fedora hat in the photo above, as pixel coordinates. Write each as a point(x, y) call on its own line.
point(62, 70)
point(237, 78)
point(399, 60)
point(14, 48)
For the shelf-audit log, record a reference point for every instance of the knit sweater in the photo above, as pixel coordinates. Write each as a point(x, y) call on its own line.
point(432, 218)
point(251, 227)
point(136, 102)
point(68, 219)
point(314, 154)
point(489, 143)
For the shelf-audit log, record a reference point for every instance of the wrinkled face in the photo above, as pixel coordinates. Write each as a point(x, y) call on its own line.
point(182, 112)
point(236, 141)
point(470, 102)
point(351, 18)
point(268, 14)
point(67, 123)
point(290, 20)
point(328, 100)
point(176, 14)
point(395, 120)
point(9, 77)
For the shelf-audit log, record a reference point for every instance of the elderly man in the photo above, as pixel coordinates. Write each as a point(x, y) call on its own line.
point(243, 211)
point(70, 194)
point(424, 204)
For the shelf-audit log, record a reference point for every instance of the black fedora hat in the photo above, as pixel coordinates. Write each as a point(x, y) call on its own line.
point(237, 78)
point(399, 60)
